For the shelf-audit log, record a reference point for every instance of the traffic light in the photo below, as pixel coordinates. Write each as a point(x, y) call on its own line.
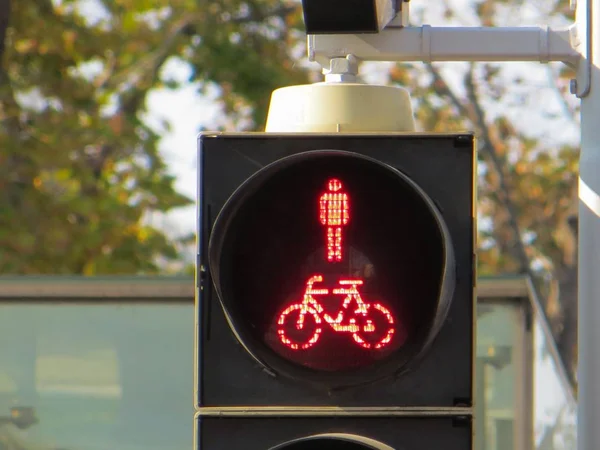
point(344, 17)
point(336, 298)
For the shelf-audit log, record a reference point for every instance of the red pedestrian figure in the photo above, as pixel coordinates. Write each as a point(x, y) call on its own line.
point(334, 213)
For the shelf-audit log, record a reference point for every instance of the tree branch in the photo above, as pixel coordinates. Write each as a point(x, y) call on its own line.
point(477, 117)
point(564, 340)
point(497, 164)
point(150, 62)
point(444, 90)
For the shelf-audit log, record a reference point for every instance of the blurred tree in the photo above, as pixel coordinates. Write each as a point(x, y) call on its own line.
point(527, 188)
point(79, 169)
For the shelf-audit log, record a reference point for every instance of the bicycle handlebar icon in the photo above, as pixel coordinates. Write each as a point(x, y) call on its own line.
point(357, 320)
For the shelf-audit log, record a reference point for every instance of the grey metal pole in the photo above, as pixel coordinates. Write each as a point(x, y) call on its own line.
point(589, 251)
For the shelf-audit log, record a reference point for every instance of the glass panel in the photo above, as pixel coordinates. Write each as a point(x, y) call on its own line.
point(120, 377)
point(97, 376)
point(555, 412)
point(498, 332)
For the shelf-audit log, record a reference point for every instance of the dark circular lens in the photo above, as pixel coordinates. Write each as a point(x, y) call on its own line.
point(325, 444)
point(337, 441)
point(331, 262)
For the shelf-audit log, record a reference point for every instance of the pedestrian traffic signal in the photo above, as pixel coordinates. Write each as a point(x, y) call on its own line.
point(336, 271)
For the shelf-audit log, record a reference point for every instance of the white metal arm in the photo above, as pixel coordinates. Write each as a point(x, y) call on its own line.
point(427, 43)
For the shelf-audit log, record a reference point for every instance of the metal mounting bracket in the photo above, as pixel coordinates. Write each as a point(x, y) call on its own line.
point(581, 41)
point(401, 42)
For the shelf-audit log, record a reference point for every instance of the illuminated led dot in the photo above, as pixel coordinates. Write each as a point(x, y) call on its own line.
point(334, 184)
point(369, 327)
point(385, 311)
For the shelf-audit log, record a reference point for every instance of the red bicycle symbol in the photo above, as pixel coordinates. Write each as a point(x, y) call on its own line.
point(356, 320)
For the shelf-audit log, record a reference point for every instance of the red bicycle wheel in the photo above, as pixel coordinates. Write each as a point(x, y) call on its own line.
point(299, 327)
point(376, 328)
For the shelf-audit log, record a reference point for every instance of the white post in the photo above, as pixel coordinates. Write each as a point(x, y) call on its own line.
point(589, 252)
